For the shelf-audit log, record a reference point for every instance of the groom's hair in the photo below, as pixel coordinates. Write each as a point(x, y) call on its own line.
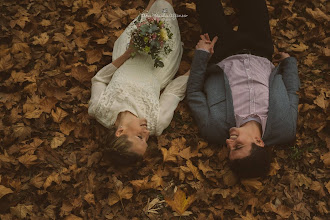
point(116, 149)
point(257, 164)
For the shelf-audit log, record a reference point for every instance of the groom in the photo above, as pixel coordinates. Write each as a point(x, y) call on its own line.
point(238, 97)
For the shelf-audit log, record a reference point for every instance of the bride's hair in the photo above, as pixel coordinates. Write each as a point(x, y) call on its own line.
point(116, 149)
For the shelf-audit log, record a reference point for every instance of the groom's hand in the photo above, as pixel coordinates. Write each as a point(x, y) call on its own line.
point(206, 44)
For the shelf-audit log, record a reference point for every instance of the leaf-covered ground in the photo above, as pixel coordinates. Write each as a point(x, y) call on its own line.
point(50, 162)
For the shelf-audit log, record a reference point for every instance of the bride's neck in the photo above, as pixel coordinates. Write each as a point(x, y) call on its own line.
point(124, 117)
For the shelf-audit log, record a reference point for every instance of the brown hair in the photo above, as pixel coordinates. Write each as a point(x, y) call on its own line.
point(257, 164)
point(116, 149)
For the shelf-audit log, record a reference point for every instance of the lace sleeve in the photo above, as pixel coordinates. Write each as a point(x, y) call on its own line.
point(99, 84)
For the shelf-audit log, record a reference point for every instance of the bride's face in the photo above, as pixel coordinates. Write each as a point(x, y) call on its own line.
point(138, 134)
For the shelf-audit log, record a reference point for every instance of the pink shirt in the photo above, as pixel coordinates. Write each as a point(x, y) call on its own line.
point(248, 77)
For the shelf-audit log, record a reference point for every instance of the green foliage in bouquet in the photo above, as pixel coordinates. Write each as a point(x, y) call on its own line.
point(151, 37)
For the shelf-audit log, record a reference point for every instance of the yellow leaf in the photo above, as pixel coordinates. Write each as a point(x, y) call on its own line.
point(180, 202)
point(27, 160)
point(59, 114)
point(191, 6)
point(4, 191)
point(301, 47)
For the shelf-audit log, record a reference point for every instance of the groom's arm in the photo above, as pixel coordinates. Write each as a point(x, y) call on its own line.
point(196, 98)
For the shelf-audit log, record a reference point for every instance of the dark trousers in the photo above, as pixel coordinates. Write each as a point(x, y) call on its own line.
point(253, 34)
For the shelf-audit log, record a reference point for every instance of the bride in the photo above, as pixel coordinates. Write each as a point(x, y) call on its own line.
point(125, 94)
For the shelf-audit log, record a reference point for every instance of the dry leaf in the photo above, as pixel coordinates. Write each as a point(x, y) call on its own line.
point(42, 39)
point(252, 184)
point(115, 17)
point(28, 160)
point(59, 114)
point(4, 191)
point(89, 197)
point(93, 56)
point(58, 140)
point(170, 154)
point(180, 202)
point(21, 210)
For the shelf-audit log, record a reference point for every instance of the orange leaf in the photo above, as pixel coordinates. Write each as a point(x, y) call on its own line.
point(180, 202)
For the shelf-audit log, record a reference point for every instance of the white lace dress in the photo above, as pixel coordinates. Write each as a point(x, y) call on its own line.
point(135, 86)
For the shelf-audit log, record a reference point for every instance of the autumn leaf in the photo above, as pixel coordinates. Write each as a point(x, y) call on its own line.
point(89, 197)
point(72, 217)
point(59, 114)
point(326, 159)
point(180, 202)
point(252, 184)
point(42, 39)
point(140, 184)
point(120, 192)
point(170, 154)
point(21, 210)
point(58, 140)
point(45, 23)
point(28, 160)
point(4, 191)
point(54, 177)
point(115, 17)
point(6, 62)
point(80, 27)
point(93, 56)
point(194, 170)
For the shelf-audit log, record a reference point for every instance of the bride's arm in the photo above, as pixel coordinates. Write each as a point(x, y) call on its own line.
point(169, 100)
point(103, 77)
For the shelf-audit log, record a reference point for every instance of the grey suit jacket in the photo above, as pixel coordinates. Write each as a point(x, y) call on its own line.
point(210, 100)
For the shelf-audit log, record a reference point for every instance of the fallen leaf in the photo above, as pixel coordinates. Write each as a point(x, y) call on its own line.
point(89, 197)
point(93, 56)
point(58, 140)
point(28, 160)
point(42, 39)
point(59, 114)
point(252, 184)
point(170, 154)
point(21, 210)
point(180, 202)
point(4, 191)
point(194, 170)
point(115, 17)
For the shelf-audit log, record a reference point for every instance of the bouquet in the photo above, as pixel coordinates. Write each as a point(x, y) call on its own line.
point(151, 37)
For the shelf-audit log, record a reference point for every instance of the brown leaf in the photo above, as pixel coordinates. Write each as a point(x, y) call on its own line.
point(318, 15)
point(170, 154)
point(326, 159)
point(204, 167)
point(89, 197)
point(54, 177)
point(21, 132)
point(4, 191)
point(45, 23)
point(318, 187)
point(80, 27)
point(27, 160)
point(37, 181)
point(93, 56)
point(180, 202)
point(59, 114)
point(6, 62)
point(140, 184)
point(42, 39)
point(21, 210)
point(72, 217)
point(66, 127)
point(194, 170)
point(252, 184)
point(115, 16)
point(58, 140)
point(81, 74)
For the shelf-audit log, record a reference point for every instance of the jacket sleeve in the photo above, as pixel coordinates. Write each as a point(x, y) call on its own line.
point(196, 98)
point(289, 71)
point(99, 84)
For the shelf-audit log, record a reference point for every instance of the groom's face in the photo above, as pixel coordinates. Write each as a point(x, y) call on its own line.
point(239, 144)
